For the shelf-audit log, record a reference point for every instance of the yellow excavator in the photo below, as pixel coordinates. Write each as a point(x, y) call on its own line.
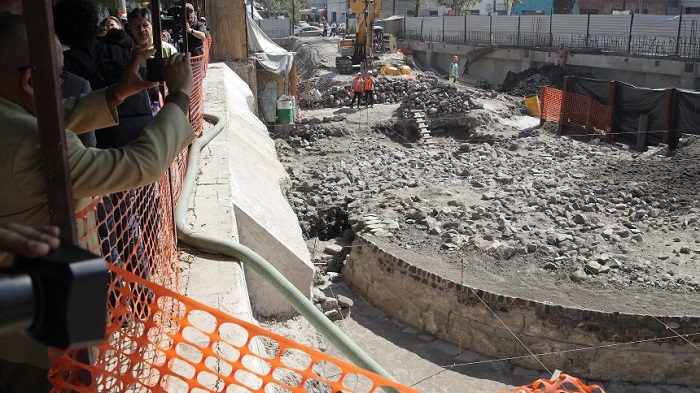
point(366, 12)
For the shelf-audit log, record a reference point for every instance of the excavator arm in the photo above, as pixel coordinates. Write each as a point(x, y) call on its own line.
point(366, 12)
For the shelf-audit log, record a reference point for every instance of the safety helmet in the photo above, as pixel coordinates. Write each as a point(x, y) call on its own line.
point(359, 74)
point(369, 72)
point(455, 57)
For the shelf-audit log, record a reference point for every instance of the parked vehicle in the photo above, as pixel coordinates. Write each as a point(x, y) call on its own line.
point(342, 29)
point(308, 31)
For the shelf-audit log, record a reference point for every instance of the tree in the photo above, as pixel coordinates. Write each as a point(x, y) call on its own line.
point(458, 6)
point(418, 4)
point(564, 6)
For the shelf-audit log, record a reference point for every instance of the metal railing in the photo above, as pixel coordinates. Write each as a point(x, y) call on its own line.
point(663, 36)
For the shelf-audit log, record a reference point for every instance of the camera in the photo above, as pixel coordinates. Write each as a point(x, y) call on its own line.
point(154, 69)
point(59, 300)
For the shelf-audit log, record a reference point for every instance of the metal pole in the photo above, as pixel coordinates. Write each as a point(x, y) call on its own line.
point(629, 36)
point(551, 37)
point(678, 36)
point(518, 30)
point(465, 30)
point(49, 113)
point(588, 30)
point(443, 29)
point(491, 28)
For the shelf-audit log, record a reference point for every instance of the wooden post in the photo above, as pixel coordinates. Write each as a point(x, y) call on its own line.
point(543, 105)
point(226, 17)
point(670, 136)
point(47, 98)
point(566, 88)
point(155, 23)
point(183, 22)
point(293, 79)
point(642, 132)
point(612, 100)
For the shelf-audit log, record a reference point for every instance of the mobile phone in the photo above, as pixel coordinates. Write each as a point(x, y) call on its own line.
point(154, 69)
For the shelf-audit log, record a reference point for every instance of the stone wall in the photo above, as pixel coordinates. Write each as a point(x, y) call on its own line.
point(401, 283)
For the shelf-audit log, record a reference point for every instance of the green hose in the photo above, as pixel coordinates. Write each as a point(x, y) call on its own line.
point(235, 250)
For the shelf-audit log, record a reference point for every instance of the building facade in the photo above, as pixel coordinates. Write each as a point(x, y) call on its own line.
point(607, 7)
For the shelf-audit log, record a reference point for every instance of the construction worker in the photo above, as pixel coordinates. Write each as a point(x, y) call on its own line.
point(561, 56)
point(454, 70)
point(357, 90)
point(369, 90)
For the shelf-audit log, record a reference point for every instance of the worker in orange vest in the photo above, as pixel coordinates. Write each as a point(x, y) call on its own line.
point(369, 90)
point(357, 90)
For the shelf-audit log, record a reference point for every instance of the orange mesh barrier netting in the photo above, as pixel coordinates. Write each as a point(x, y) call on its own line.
point(576, 110)
point(562, 384)
point(177, 344)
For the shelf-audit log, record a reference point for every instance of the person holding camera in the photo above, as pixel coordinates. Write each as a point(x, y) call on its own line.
point(93, 172)
point(196, 32)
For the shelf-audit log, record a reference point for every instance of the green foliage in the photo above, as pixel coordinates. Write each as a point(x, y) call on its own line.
point(564, 6)
point(283, 7)
point(458, 6)
point(418, 4)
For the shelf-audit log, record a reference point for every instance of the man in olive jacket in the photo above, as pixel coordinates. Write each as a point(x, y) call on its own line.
point(93, 171)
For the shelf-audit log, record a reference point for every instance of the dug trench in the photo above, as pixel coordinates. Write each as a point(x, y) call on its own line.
point(520, 209)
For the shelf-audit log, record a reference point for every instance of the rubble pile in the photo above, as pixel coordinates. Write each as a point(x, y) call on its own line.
point(436, 98)
point(530, 81)
point(430, 94)
point(578, 225)
point(310, 129)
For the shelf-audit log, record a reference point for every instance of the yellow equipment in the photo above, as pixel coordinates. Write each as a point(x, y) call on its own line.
point(390, 69)
point(366, 11)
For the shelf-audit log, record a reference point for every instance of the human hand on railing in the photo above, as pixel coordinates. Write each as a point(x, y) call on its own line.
point(28, 241)
point(177, 72)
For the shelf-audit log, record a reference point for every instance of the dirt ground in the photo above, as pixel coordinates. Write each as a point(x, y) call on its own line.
point(519, 209)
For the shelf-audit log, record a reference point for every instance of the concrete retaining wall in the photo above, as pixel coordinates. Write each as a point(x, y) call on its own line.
point(266, 223)
point(638, 71)
point(400, 282)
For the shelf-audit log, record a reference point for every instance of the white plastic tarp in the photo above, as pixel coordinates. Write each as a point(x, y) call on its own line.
point(271, 56)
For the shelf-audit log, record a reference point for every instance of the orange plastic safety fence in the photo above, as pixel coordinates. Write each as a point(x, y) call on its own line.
point(563, 384)
point(178, 345)
point(576, 110)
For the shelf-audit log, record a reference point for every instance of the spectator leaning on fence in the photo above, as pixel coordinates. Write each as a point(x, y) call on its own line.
point(196, 32)
point(24, 364)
